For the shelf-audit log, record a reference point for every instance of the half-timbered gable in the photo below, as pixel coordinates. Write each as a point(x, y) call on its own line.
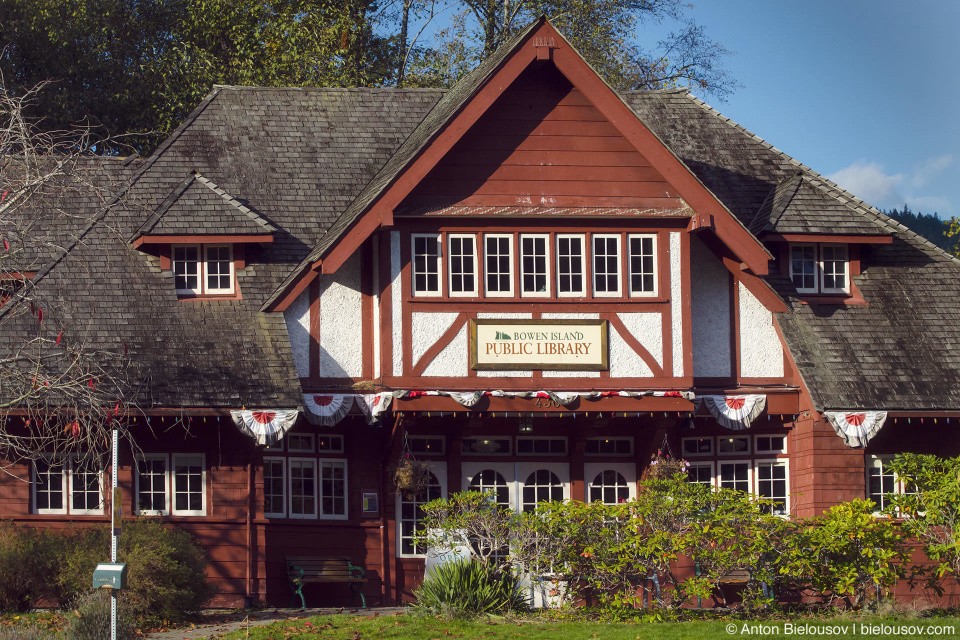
point(529, 281)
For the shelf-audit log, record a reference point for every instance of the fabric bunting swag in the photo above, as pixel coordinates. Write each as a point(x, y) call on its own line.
point(327, 409)
point(266, 427)
point(563, 398)
point(856, 427)
point(734, 412)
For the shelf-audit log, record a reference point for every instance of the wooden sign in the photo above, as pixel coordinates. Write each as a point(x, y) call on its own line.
point(553, 345)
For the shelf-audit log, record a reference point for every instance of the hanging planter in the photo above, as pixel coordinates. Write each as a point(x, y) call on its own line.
point(411, 477)
point(663, 466)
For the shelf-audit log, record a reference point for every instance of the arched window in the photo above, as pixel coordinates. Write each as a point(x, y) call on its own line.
point(541, 486)
point(609, 487)
point(489, 480)
point(411, 515)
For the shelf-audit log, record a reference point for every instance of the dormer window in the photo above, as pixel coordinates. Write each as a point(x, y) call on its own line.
point(819, 267)
point(203, 269)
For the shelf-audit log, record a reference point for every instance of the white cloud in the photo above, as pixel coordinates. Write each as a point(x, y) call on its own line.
point(870, 182)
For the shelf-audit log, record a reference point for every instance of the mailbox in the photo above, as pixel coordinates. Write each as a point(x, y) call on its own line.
point(109, 575)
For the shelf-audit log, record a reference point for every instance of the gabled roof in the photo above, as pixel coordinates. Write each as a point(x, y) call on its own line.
point(197, 206)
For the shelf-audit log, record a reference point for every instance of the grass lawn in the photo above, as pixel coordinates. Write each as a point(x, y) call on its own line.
point(409, 627)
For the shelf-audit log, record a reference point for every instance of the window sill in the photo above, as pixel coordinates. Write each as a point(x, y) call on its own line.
point(207, 298)
point(841, 300)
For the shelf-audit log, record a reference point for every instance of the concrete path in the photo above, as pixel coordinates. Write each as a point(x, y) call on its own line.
point(216, 623)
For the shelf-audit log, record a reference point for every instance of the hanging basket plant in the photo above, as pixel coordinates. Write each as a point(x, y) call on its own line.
point(411, 477)
point(663, 466)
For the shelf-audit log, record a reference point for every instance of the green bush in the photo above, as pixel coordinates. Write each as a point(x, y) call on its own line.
point(91, 618)
point(166, 569)
point(26, 632)
point(466, 587)
point(27, 561)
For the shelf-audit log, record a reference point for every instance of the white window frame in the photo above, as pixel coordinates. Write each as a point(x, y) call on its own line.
point(720, 452)
point(334, 437)
point(524, 469)
point(165, 458)
point(67, 473)
point(321, 514)
point(302, 461)
point(582, 292)
point(626, 469)
point(708, 464)
point(545, 438)
point(816, 268)
point(774, 462)
point(426, 438)
point(283, 486)
point(439, 470)
point(688, 454)
point(437, 260)
point(71, 489)
point(172, 470)
point(471, 293)
point(510, 273)
point(64, 497)
point(203, 269)
point(498, 454)
point(547, 259)
point(506, 469)
point(618, 238)
point(630, 272)
point(823, 272)
point(308, 436)
point(750, 475)
point(766, 452)
point(875, 461)
point(628, 439)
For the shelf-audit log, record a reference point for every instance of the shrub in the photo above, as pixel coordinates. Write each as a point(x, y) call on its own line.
point(166, 569)
point(27, 561)
point(467, 586)
point(27, 632)
point(91, 618)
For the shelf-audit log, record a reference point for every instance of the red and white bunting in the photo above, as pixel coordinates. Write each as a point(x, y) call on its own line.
point(327, 409)
point(856, 427)
point(374, 404)
point(267, 427)
point(735, 412)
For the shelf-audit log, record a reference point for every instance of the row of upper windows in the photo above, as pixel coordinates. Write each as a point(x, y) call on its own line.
point(565, 265)
point(819, 268)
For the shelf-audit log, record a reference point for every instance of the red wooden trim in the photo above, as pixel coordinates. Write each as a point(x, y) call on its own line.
point(203, 239)
point(686, 306)
point(734, 296)
point(539, 406)
point(755, 285)
point(300, 284)
point(439, 345)
point(634, 344)
point(839, 300)
point(431, 154)
point(164, 254)
point(698, 197)
point(386, 307)
point(828, 239)
point(17, 275)
point(759, 382)
point(240, 257)
point(523, 384)
point(366, 308)
point(314, 329)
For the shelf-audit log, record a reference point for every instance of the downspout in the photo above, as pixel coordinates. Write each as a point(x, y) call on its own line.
point(248, 598)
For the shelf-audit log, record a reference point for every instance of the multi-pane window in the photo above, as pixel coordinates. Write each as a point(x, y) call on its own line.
point(333, 488)
point(188, 484)
point(771, 444)
point(643, 265)
point(734, 444)
point(489, 480)
point(426, 265)
point(303, 488)
point(534, 260)
point(541, 486)
point(274, 481)
point(72, 487)
point(834, 260)
point(772, 485)
point(820, 268)
point(608, 446)
point(882, 483)
point(426, 445)
point(735, 475)
point(700, 472)
point(498, 264)
point(533, 446)
point(606, 265)
point(697, 446)
point(152, 486)
point(609, 487)
point(462, 255)
point(412, 516)
point(203, 269)
point(570, 266)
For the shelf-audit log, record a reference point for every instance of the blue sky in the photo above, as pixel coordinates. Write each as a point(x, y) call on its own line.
point(866, 93)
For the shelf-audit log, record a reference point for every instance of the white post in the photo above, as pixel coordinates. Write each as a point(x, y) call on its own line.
point(115, 519)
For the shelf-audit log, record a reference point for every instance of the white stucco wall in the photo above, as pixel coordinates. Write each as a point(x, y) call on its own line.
point(426, 330)
point(761, 354)
point(676, 303)
point(647, 328)
point(341, 341)
point(297, 317)
point(710, 302)
point(396, 303)
point(454, 360)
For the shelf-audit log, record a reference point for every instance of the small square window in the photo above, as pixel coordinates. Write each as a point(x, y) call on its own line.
point(330, 444)
point(531, 446)
point(734, 444)
point(771, 444)
point(608, 446)
point(204, 269)
point(426, 445)
point(300, 443)
point(700, 473)
point(735, 475)
point(697, 446)
point(820, 268)
point(485, 446)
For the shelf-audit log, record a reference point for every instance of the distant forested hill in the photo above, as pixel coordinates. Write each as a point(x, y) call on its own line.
point(930, 226)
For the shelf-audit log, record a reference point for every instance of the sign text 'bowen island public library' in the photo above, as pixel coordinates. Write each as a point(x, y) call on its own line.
point(573, 345)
